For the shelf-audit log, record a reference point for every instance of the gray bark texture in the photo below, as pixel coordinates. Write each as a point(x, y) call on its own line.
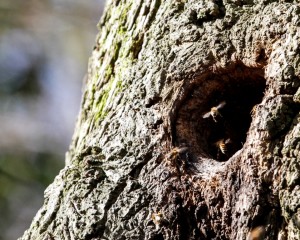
point(152, 159)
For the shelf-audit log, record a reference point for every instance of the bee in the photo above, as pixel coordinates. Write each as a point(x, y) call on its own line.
point(254, 110)
point(257, 233)
point(157, 218)
point(222, 145)
point(214, 111)
point(174, 153)
point(173, 160)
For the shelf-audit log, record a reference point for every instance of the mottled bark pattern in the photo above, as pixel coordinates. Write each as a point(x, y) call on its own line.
point(145, 164)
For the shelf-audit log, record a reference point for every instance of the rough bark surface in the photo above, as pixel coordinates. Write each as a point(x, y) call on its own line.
point(145, 163)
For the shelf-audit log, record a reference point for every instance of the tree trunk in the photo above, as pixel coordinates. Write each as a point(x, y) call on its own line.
point(189, 126)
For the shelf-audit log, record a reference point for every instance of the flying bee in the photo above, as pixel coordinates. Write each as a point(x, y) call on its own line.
point(257, 233)
point(157, 218)
point(173, 159)
point(214, 111)
point(174, 153)
point(222, 145)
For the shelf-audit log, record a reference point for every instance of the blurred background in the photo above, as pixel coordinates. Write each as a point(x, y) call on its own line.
point(44, 51)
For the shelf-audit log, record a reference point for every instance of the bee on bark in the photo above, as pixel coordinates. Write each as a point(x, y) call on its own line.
point(222, 145)
point(254, 110)
point(257, 233)
point(214, 111)
point(157, 219)
point(173, 159)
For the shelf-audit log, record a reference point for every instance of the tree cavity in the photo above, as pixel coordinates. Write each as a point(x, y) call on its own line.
point(216, 113)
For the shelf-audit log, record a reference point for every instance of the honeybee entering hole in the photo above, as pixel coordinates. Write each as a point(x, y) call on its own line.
point(175, 160)
point(222, 146)
point(214, 112)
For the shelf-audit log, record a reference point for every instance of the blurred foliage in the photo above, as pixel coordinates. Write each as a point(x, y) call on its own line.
point(44, 50)
point(23, 178)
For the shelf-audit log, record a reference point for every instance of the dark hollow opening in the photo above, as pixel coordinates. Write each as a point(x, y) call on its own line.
point(220, 136)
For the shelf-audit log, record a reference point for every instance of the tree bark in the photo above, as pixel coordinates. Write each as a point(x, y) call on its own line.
point(151, 159)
